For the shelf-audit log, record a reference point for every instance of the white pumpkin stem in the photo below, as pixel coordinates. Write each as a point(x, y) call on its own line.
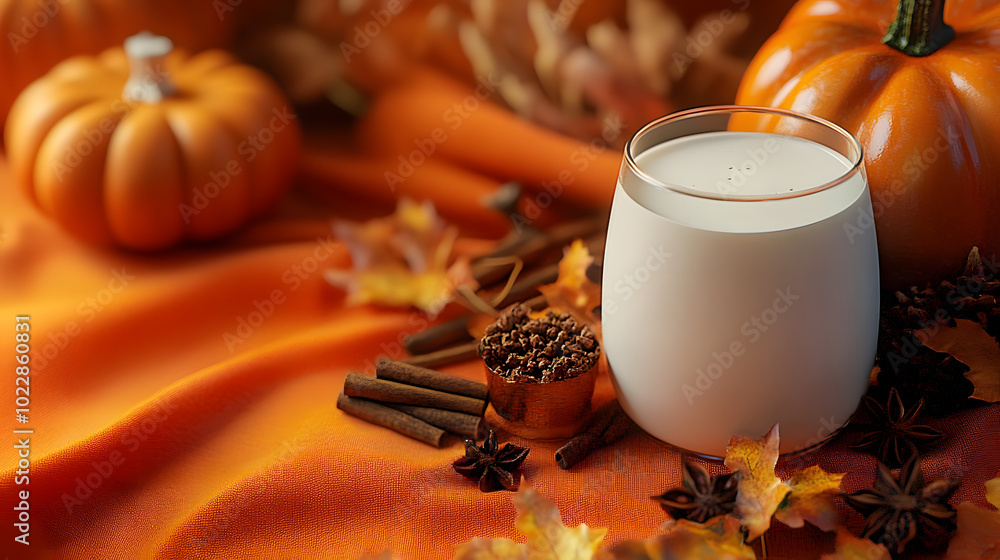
point(148, 80)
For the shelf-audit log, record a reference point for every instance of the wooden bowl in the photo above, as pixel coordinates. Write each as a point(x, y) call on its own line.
point(533, 410)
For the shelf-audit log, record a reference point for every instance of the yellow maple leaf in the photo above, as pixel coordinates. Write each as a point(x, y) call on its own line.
point(993, 491)
point(968, 343)
point(760, 491)
point(539, 521)
point(401, 260)
point(573, 292)
point(719, 540)
point(811, 499)
point(850, 547)
point(978, 530)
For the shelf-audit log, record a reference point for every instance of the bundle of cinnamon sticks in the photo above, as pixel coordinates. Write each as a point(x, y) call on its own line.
point(425, 404)
point(417, 402)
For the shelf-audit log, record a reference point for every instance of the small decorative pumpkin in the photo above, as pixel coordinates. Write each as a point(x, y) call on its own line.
point(38, 34)
point(922, 97)
point(153, 148)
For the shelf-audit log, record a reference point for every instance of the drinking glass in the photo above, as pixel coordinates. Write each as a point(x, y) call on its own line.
point(741, 284)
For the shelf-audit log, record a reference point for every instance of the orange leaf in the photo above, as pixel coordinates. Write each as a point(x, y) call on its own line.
point(721, 540)
point(977, 536)
point(850, 547)
point(760, 491)
point(401, 260)
point(573, 292)
point(970, 344)
point(811, 499)
point(538, 519)
point(978, 533)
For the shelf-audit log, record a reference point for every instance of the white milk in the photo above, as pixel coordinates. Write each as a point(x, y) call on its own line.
point(724, 317)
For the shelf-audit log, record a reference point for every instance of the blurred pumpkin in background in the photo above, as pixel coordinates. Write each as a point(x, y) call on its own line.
point(569, 65)
point(40, 33)
point(153, 147)
point(918, 86)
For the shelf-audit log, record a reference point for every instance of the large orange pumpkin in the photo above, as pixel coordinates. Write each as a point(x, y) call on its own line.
point(153, 148)
point(919, 85)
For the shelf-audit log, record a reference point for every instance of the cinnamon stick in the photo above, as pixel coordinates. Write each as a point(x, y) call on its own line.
point(527, 285)
point(390, 418)
point(609, 424)
point(445, 356)
point(531, 245)
point(357, 385)
point(439, 336)
point(422, 377)
point(454, 422)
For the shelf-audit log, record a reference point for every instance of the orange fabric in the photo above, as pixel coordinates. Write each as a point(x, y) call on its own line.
point(194, 391)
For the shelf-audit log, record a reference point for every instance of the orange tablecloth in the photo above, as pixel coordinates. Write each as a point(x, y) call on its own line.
point(182, 406)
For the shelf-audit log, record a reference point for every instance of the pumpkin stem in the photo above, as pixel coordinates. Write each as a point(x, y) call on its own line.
point(919, 28)
point(148, 80)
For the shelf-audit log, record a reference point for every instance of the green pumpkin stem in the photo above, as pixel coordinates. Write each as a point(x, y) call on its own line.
point(919, 28)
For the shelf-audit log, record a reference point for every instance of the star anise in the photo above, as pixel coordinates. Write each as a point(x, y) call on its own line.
point(702, 496)
point(894, 435)
point(974, 295)
point(901, 510)
point(493, 467)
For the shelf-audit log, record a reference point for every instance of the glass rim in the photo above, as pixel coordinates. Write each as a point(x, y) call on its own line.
point(634, 167)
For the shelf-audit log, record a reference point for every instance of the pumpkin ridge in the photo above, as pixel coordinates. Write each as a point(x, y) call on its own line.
point(89, 218)
point(863, 14)
point(183, 170)
point(850, 106)
point(806, 50)
point(966, 123)
point(191, 230)
point(22, 153)
point(141, 183)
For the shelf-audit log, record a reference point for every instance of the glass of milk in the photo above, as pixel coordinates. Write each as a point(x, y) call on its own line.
point(741, 284)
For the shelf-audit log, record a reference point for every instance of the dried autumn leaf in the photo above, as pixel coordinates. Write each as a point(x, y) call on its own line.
point(970, 344)
point(993, 491)
point(720, 540)
point(811, 499)
point(850, 547)
point(761, 492)
point(978, 532)
point(573, 292)
point(401, 260)
point(977, 536)
point(538, 519)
